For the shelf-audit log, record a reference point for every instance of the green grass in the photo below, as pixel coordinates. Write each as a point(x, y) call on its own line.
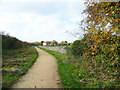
point(77, 72)
point(64, 45)
point(66, 70)
point(58, 46)
point(16, 63)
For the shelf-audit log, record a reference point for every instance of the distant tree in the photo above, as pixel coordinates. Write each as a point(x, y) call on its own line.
point(54, 42)
point(63, 42)
point(41, 43)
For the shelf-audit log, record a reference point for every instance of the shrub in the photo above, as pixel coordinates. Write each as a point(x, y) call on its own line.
point(78, 47)
point(9, 42)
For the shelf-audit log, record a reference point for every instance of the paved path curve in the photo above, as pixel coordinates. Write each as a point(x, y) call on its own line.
point(43, 74)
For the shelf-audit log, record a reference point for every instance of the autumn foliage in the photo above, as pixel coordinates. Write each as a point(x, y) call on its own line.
point(102, 57)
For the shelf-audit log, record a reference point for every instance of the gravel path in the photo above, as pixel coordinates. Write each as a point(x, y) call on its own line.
point(43, 74)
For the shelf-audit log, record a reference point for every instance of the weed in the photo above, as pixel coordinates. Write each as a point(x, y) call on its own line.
point(16, 63)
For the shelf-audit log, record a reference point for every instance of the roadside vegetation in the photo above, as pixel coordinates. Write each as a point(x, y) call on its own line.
point(17, 58)
point(94, 61)
point(65, 69)
point(78, 70)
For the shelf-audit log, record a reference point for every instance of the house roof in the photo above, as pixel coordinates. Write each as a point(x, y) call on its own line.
point(47, 42)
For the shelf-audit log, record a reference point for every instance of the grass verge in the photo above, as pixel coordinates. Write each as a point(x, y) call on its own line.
point(66, 70)
point(16, 63)
point(77, 72)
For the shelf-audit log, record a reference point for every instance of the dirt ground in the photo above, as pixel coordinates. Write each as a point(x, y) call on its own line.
point(43, 74)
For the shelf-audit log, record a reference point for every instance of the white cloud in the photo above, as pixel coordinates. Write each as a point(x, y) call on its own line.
point(31, 26)
point(43, 0)
point(76, 19)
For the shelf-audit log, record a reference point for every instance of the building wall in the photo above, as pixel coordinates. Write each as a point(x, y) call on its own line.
point(44, 44)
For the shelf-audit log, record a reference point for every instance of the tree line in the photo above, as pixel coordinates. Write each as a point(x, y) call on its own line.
point(9, 42)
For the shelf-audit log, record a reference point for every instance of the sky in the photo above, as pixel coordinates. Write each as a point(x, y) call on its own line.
point(42, 20)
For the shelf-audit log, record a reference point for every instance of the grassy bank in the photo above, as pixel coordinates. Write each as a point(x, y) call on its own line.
point(77, 72)
point(66, 70)
point(16, 63)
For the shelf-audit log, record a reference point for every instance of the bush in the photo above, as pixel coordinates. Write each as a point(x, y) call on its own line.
point(9, 42)
point(78, 47)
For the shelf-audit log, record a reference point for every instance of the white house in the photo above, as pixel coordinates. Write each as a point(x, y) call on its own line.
point(46, 43)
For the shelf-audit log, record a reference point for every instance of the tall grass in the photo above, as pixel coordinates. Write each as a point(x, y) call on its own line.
point(16, 63)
